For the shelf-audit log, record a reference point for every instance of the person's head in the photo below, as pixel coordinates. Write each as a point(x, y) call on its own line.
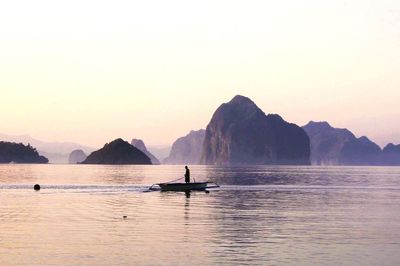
point(186, 167)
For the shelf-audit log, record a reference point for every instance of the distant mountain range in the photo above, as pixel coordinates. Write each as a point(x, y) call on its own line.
point(339, 146)
point(239, 133)
point(160, 152)
point(56, 152)
point(138, 143)
point(187, 149)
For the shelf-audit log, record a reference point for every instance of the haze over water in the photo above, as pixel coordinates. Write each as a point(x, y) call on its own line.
point(262, 215)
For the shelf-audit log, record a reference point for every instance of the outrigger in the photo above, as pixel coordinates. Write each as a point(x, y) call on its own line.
point(194, 186)
point(187, 186)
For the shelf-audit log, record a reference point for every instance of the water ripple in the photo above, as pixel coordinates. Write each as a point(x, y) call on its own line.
point(99, 215)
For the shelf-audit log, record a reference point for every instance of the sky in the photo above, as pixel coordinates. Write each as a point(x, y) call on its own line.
point(92, 71)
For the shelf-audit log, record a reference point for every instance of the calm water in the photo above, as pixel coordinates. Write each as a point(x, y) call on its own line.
point(259, 216)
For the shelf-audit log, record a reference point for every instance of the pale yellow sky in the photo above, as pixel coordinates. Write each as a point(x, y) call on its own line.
point(92, 71)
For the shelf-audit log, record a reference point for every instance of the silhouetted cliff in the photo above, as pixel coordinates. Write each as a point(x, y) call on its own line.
point(391, 155)
point(19, 153)
point(117, 152)
point(360, 151)
point(138, 143)
point(334, 146)
point(187, 149)
point(240, 133)
point(77, 156)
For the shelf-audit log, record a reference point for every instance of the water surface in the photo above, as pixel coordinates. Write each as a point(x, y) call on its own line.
point(259, 216)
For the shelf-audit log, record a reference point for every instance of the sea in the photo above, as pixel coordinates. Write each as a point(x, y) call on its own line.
point(260, 215)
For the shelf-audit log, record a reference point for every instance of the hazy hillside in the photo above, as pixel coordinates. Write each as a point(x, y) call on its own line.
point(161, 152)
point(56, 152)
point(187, 149)
point(138, 143)
point(339, 146)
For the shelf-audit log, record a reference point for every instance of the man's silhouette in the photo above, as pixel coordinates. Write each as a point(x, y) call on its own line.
point(187, 175)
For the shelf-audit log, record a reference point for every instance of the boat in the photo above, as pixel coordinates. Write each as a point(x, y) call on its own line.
point(194, 186)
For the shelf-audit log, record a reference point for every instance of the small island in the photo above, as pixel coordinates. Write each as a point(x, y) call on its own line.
point(76, 156)
point(117, 152)
point(19, 153)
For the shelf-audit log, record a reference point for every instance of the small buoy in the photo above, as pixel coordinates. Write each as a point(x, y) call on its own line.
point(36, 187)
point(125, 216)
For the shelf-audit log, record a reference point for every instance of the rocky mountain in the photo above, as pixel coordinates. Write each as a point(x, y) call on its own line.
point(187, 149)
point(77, 156)
point(240, 133)
point(360, 151)
point(326, 142)
point(336, 146)
point(138, 143)
point(19, 153)
point(391, 155)
point(391, 148)
point(56, 152)
point(117, 152)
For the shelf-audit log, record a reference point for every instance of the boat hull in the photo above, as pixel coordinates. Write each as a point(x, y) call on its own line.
point(199, 186)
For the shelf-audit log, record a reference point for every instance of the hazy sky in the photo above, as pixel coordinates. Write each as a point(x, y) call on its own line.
point(92, 71)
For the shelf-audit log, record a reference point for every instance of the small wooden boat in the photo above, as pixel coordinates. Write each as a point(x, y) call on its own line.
point(197, 186)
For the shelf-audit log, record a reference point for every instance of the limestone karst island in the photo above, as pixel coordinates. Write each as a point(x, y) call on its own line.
point(239, 133)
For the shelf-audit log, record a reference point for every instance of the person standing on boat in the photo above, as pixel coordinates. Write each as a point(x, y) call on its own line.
point(187, 175)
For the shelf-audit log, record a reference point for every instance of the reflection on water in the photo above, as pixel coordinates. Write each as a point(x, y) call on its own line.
point(100, 215)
